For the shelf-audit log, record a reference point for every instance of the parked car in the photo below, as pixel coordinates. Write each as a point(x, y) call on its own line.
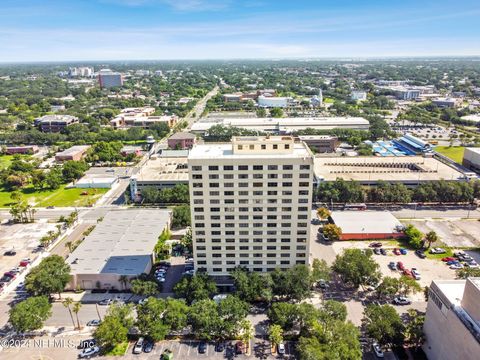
point(383, 251)
point(437, 251)
point(472, 265)
point(403, 251)
point(377, 251)
point(400, 266)
point(456, 266)
point(396, 251)
point(148, 346)
point(401, 300)
point(105, 302)
point(408, 273)
point(448, 258)
point(24, 263)
point(420, 254)
point(219, 347)
point(89, 352)
point(453, 262)
point(137, 349)
point(142, 301)
point(281, 349)
point(377, 350)
point(10, 274)
point(392, 265)
point(239, 347)
point(202, 347)
point(10, 253)
point(375, 244)
point(416, 274)
point(94, 322)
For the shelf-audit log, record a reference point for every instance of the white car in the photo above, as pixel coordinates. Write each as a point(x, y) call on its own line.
point(137, 349)
point(89, 352)
point(377, 350)
point(416, 274)
point(401, 300)
point(472, 265)
point(437, 251)
point(456, 266)
point(161, 279)
point(94, 322)
point(281, 348)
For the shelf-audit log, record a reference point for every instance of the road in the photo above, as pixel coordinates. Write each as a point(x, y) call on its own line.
point(200, 107)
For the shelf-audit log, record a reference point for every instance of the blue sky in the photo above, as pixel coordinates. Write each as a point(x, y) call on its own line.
point(70, 30)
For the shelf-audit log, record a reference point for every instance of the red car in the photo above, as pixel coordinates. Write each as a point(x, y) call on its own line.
point(408, 273)
point(400, 266)
point(396, 251)
point(24, 263)
point(448, 258)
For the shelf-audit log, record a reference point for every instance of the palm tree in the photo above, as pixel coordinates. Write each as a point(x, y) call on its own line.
point(124, 280)
point(431, 237)
point(323, 213)
point(246, 330)
point(67, 302)
point(76, 309)
point(69, 245)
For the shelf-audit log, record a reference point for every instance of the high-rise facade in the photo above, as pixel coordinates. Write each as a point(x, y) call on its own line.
point(108, 79)
point(251, 204)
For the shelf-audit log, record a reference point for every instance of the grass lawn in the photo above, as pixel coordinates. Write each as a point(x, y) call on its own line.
point(449, 253)
point(118, 350)
point(60, 197)
point(328, 100)
point(5, 161)
point(453, 152)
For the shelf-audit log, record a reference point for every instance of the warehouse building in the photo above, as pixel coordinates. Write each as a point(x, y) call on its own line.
point(366, 225)
point(55, 123)
point(29, 150)
point(471, 159)
point(121, 244)
point(320, 143)
point(74, 153)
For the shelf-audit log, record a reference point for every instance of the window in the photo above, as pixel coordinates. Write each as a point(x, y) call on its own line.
point(196, 168)
point(215, 217)
point(197, 176)
point(217, 269)
point(257, 167)
point(243, 167)
point(240, 147)
point(228, 176)
point(303, 208)
point(228, 185)
point(304, 167)
point(213, 168)
point(244, 248)
point(228, 167)
point(243, 184)
point(213, 176)
point(285, 248)
point(202, 262)
point(258, 193)
point(304, 184)
point(229, 217)
point(228, 201)
point(214, 209)
point(201, 255)
point(243, 217)
point(264, 147)
point(214, 193)
point(243, 193)
point(275, 146)
point(287, 184)
point(287, 146)
point(287, 176)
point(286, 201)
point(251, 147)
point(198, 193)
point(214, 185)
point(197, 185)
point(198, 209)
point(217, 248)
point(272, 167)
point(215, 201)
point(303, 192)
point(272, 176)
point(258, 176)
point(286, 217)
point(243, 176)
point(228, 193)
point(304, 176)
point(272, 193)
point(198, 201)
point(199, 217)
point(201, 247)
point(272, 184)
point(257, 184)
point(200, 232)
point(199, 225)
point(287, 167)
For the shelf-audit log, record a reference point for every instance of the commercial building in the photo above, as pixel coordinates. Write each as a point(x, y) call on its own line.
point(283, 125)
point(181, 140)
point(471, 159)
point(251, 204)
point(108, 79)
point(403, 92)
point(74, 153)
point(232, 97)
point(273, 101)
point(445, 102)
point(320, 143)
point(452, 320)
point(82, 71)
point(55, 123)
point(160, 171)
point(29, 149)
point(367, 170)
point(120, 245)
point(140, 117)
point(363, 225)
point(96, 181)
point(358, 95)
point(412, 145)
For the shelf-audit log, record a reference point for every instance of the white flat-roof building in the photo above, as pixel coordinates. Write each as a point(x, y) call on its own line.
point(445, 102)
point(273, 101)
point(121, 244)
point(471, 158)
point(250, 201)
point(140, 117)
point(283, 125)
point(358, 95)
point(452, 321)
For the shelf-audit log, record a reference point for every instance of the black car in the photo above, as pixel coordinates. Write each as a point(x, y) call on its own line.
point(10, 253)
point(148, 346)
point(202, 347)
point(230, 352)
point(383, 251)
point(219, 347)
point(376, 251)
point(420, 254)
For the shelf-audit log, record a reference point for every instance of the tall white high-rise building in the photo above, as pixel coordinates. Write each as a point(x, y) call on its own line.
point(251, 204)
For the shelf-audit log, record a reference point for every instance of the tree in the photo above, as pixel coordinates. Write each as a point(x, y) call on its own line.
point(320, 271)
point(332, 231)
point(53, 179)
point(261, 112)
point(150, 319)
point(283, 314)
point(252, 286)
point(181, 216)
point(124, 280)
point(246, 332)
point(389, 287)
point(197, 287)
point(408, 284)
point(50, 276)
point(67, 302)
point(357, 267)
point(144, 287)
point(275, 334)
point(205, 320)
point(76, 308)
point(323, 213)
point(294, 283)
point(383, 323)
point(468, 272)
point(232, 311)
point(413, 332)
point(276, 112)
point(175, 314)
point(73, 170)
point(110, 332)
point(414, 236)
point(431, 237)
point(30, 314)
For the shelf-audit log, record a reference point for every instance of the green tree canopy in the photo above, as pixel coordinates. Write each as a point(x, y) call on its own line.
point(357, 267)
point(30, 314)
point(50, 276)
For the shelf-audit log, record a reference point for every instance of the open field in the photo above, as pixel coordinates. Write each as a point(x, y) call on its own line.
point(453, 152)
point(59, 197)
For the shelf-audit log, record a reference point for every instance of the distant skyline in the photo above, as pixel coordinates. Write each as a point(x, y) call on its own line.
point(101, 30)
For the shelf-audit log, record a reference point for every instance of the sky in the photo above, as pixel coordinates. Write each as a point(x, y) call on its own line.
point(89, 30)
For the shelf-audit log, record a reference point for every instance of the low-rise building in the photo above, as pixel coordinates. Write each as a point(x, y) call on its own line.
point(29, 149)
point(321, 143)
point(181, 140)
point(445, 102)
point(452, 320)
point(74, 153)
point(232, 97)
point(358, 95)
point(140, 117)
point(273, 101)
point(55, 123)
point(363, 225)
point(121, 244)
point(471, 159)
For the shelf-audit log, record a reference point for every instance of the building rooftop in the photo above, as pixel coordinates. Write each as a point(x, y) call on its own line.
point(366, 222)
point(49, 118)
point(384, 168)
point(122, 243)
point(225, 150)
point(73, 150)
point(182, 135)
point(474, 149)
point(164, 169)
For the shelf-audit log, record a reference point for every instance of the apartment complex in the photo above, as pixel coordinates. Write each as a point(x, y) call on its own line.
point(140, 117)
point(452, 320)
point(251, 204)
point(108, 79)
